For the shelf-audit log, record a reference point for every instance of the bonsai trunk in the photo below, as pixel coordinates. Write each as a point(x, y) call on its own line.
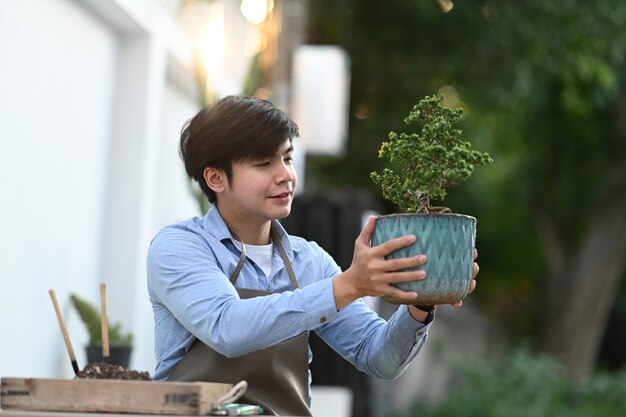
point(582, 284)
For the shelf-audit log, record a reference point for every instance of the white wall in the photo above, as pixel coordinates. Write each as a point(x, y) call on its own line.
point(90, 111)
point(171, 196)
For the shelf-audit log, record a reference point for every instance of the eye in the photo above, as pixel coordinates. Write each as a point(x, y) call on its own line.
point(262, 164)
point(289, 159)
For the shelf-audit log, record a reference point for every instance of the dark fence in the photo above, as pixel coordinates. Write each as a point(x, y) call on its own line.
point(333, 219)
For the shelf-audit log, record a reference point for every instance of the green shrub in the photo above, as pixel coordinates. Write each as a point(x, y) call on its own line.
point(427, 162)
point(523, 385)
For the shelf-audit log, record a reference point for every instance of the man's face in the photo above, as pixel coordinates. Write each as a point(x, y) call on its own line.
point(260, 190)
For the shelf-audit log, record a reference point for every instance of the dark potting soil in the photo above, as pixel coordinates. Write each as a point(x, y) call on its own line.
point(101, 370)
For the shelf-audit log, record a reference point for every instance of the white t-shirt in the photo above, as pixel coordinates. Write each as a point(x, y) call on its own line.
point(260, 255)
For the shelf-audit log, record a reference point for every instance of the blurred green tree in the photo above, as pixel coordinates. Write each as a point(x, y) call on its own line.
point(544, 86)
point(523, 384)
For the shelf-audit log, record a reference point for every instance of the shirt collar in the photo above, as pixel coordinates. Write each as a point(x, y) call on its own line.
point(214, 224)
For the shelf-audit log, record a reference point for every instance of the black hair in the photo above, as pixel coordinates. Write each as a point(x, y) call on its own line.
point(235, 128)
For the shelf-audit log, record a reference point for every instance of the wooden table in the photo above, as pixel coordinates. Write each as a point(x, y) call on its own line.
point(23, 397)
point(15, 413)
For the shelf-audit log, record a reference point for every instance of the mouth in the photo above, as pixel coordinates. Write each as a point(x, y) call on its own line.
point(286, 194)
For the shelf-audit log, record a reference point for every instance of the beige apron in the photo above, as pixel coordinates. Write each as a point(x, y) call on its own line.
point(278, 376)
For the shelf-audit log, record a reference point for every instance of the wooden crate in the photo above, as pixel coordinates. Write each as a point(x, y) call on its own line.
point(110, 396)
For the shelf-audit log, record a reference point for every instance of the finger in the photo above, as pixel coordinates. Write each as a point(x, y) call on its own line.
point(458, 304)
point(393, 245)
point(475, 253)
point(406, 276)
point(409, 296)
point(476, 269)
point(366, 234)
point(403, 263)
point(472, 286)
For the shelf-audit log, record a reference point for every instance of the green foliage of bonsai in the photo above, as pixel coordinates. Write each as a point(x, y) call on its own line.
point(92, 319)
point(429, 161)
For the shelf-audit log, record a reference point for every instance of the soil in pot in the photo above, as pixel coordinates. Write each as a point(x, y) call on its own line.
point(101, 370)
point(116, 366)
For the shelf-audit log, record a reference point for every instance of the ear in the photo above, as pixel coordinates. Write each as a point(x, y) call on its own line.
point(215, 179)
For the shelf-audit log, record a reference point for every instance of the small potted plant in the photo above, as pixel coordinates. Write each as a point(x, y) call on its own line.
point(120, 343)
point(428, 162)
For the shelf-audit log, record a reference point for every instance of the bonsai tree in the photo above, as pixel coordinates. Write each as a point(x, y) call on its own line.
point(92, 319)
point(429, 161)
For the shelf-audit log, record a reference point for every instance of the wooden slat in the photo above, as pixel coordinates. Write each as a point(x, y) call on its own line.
point(110, 396)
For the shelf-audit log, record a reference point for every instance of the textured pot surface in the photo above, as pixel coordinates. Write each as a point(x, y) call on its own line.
point(447, 240)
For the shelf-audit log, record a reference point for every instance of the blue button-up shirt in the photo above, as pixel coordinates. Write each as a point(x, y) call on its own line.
point(189, 265)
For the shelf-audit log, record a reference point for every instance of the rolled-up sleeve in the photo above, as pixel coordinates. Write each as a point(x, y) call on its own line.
point(382, 349)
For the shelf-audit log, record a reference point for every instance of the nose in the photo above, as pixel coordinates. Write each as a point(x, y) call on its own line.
point(285, 173)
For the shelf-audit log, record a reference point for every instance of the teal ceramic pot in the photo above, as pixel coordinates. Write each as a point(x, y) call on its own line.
point(447, 240)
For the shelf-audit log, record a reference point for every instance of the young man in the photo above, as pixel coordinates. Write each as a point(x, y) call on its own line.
point(234, 296)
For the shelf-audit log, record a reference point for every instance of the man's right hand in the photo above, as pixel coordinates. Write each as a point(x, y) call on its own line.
point(371, 274)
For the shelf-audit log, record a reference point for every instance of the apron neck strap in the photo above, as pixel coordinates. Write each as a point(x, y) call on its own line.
point(281, 250)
